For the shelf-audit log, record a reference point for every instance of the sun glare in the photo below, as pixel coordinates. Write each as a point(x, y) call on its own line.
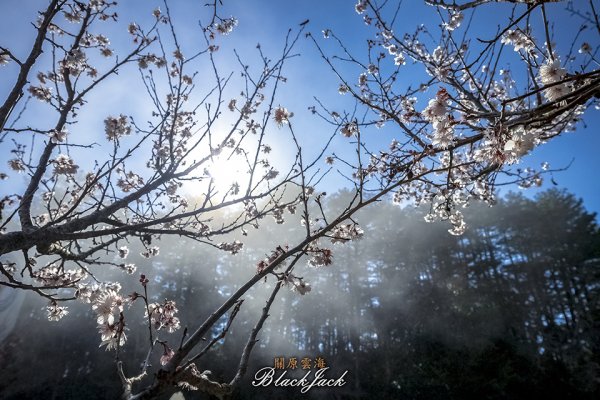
point(226, 171)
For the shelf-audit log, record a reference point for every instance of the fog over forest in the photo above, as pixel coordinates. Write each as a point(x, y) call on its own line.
point(509, 310)
point(326, 200)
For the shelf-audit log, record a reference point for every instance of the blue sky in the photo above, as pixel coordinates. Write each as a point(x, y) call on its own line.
point(266, 22)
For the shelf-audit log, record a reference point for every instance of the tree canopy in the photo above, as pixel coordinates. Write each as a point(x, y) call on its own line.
point(212, 148)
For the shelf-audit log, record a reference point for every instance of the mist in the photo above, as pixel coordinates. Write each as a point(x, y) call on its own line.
point(508, 310)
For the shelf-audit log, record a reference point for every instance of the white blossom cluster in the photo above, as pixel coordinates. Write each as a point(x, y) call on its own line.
point(551, 73)
point(128, 268)
point(458, 223)
point(277, 214)
point(106, 304)
point(75, 62)
point(145, 60)
point(361, 6)
point(112, 335)
point(163, 316)
point(225, 26)
point(4, 58)
point(363, 82)
point(64, 165)
point(533, 179)
point(399, 59)
point(150, 252)
point(42, 93)
point(275, 254)
point(84, 292)
point(55, 312)
point(116, 127)
point(443, 208)
point(130, 181)
point(521, 142)
point(168, 353)
point(250, 209)
point(58, 136)
point(16, 164)
point(519, 39)
point(346, 232)
point(297, 284)
point(172, 143)
point(439, 63)
point(271, 174)
point(55, 275)
point(232, 247)
point(123, 252)
point(456, 18)
point(438, 115)
point(349, 129)
point(318, 256)
point(282, 116)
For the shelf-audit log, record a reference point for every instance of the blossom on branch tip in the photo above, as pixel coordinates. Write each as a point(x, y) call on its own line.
point(52, 275)
point(150, 252)
point(458, 224)
point(400, 60)
point(349, 129)
point(362, 79)
point(585, 48)
point(123, 251)
point(225, 27)
point(130, 182)
point(436, 109)
point(281, 116)
point(361, 6)
point(16, 165)
point(518, 39)
point(58, 136)
point(128, 268)
point(115, 127)
point(162, 316)
point(297, 284)
point(106, 305)
point(347, 232)
point(319, 257)
point(64, 165)
point(551, 73)
point(232, 247)
point(456, 19)
point(232, 104)
point(271, 174)
point(178, 55)
point(443, 134)
point(41, 93)
point(73, 16)
point(112, 335)
point(56, 313)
